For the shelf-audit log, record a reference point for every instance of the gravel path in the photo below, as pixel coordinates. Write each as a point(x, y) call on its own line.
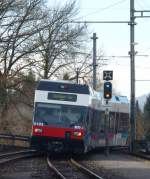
point(120, 166)
point(9, 148)
point(34, 168)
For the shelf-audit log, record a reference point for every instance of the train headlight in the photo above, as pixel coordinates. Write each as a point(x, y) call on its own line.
point(38, 130)
point(77, 134)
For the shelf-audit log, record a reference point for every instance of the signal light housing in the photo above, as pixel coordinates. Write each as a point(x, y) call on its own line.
point(107, 90)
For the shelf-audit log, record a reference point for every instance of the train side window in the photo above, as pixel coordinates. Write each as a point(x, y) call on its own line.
point(102, 120)
point(98, 120)
point(89, 118)
point(93, 124)
point(111, 121)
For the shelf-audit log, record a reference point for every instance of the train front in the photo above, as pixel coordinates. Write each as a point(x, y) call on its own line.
point(59, 119)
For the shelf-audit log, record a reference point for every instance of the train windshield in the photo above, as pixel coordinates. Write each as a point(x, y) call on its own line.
point(60, 115)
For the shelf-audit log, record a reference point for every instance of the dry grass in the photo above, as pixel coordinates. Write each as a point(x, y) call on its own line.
point(17, 120)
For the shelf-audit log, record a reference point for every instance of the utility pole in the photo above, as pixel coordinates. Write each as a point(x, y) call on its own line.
point(132, 68)
point(77, 75)
point(94, 60)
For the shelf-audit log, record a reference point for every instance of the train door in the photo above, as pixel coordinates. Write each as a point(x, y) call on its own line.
point(88, 134)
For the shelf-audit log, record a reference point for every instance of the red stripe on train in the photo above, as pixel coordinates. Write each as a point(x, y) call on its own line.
point(57, 132)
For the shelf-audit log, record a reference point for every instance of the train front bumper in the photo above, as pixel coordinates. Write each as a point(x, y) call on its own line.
point(53, 144)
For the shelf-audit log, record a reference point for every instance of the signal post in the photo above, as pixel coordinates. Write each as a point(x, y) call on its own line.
point(107, 76)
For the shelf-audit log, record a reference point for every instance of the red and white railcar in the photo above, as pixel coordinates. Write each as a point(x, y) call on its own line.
point(70, 117)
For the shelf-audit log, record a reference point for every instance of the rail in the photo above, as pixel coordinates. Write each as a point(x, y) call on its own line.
point(65, 169)
point(85, 170)
point(7, 157)
point(15, 137)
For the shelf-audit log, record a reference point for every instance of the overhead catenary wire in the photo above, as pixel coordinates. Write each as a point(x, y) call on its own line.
point(98, 22)
point(140, 4)
point(105, 8)
point(143, 4)
point(142, 80)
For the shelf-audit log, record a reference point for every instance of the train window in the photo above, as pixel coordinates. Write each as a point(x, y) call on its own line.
point(93, 121)
point(99, 120)
point(61, 115)
point(47, 113)
point(102, 119)
point(111, 120)
point(87, 119)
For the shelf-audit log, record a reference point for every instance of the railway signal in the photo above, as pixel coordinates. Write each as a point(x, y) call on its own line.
point(108, 75)
point(107, 90)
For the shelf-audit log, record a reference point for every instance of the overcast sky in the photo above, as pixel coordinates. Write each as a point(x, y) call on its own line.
point(114, 39)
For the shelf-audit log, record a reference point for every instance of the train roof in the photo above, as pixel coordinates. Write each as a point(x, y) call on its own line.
point(120, 99)
point(62, 86)
point(58, 81)
point(116, 99)
point(117, 103)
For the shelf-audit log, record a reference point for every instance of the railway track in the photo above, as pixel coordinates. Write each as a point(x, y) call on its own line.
point(142, 155)
point(66, 169)
point(12, 156)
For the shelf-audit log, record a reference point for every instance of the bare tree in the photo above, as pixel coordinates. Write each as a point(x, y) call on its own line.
point(58, 40)
point(20, 21)
point(80, 67)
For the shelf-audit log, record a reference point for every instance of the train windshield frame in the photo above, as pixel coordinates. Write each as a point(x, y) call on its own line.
point(60, 115)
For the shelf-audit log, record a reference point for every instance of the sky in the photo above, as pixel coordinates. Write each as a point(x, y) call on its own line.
point(114, 40)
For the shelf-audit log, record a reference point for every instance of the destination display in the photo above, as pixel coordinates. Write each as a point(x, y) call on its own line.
point(62, 97)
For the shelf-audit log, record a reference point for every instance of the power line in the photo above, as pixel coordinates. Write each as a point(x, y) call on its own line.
point(144, 4)
point(105, 8)
point(124, 56)
point(142, 80)
point(140, 4)
point(98, 22)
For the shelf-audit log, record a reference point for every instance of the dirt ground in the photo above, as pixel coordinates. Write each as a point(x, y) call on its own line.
point(119, 165)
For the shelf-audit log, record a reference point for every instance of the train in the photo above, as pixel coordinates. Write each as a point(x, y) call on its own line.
point(70, 117)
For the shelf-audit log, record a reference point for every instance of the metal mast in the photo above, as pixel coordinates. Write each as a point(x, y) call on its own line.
point(134, 14)
point(94, 60)
point(132, 68)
